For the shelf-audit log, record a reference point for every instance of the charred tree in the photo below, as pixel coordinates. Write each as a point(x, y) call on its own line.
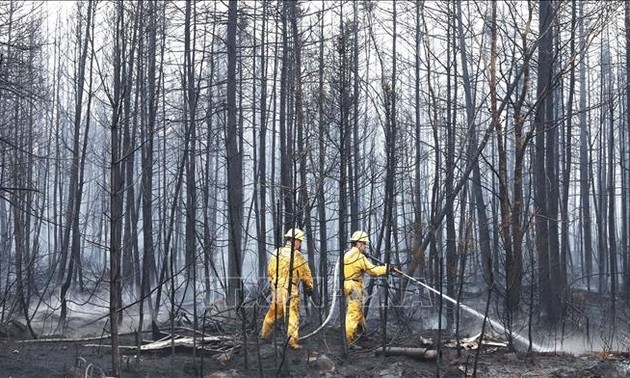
point(234, 166)
point(625, 163)
point(477, 198)
point(116, 190)
point(344, 138)
point(449, 164)
point(70, 242)
point(321, 163)
point(149, 98)
point(584, 167)
point(543, 167)
point(261, 171)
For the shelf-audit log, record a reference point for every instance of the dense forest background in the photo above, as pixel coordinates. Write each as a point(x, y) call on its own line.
point(156, 151)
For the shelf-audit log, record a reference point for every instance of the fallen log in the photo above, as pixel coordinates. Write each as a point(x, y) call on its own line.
point(73, 340)
point(472, 343)
point(220, 342)
point(417, 353)
point(189, 342)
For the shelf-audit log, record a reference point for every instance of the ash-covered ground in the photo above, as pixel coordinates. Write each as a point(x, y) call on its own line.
point(588, 343)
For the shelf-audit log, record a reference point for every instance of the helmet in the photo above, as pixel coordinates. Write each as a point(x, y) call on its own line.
point(360, 236)
point(294, 233)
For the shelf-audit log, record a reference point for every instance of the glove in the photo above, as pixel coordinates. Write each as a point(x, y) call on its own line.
point(308, 291)
point(391, 268)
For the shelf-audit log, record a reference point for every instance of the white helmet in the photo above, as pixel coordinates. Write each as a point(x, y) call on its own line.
point(295, 233)
point(360, 236)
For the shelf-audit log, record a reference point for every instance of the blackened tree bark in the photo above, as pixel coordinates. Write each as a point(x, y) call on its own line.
point(506, 230)
point(129, 252)
point(211, 172)
point(276, 195)
point(261, 170)
point(417, 261)
point(285, 135)
point(71, 236)
point(190, 115)
point(449, 160)
point(321, 160)
point(19, 137)
point(600, 192)
point(149, 98)
point(391, 136)
point(139, 122)
point(608, 212)
point(355, 170)
point(542, 124)
point(585, 169)
point(479, 202)
point(344, 138)
point(190, 88)
point(435, 217)
point(568, 153)
point(117, 185)
point(234, 166)
point(557, 279)
point(302, 141)
point(625, 158)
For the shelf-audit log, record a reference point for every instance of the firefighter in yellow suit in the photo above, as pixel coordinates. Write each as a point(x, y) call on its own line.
point(278, 272)
point(355, 264)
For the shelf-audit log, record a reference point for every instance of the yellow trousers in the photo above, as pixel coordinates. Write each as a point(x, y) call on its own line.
point(353, 292)
point(277, 310)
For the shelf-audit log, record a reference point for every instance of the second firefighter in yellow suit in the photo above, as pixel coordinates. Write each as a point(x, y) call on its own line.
point(278, 274)
point(355, 264)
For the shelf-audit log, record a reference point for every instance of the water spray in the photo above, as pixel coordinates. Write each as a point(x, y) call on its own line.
point(525, 341)
point(516, 336)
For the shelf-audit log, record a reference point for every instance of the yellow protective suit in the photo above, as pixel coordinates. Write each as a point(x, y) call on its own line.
point(355, 264)
point(278, 276)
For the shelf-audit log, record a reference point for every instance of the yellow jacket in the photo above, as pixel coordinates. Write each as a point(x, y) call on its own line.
point(355, 264)
point(278, 269)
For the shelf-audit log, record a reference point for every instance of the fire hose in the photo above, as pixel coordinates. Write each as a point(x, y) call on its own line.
point(470, 310)
point(332, 305)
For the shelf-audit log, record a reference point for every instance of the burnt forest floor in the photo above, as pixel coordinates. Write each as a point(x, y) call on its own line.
point(321, 356)
point(603, 354)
